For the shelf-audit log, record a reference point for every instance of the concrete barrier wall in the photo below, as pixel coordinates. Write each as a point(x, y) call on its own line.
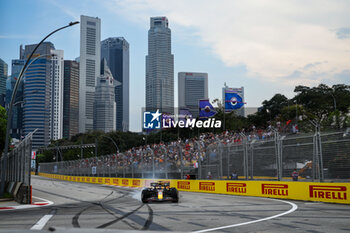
point(306, 191)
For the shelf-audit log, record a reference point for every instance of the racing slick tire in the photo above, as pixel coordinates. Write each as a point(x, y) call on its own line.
point(175, 195)
point(144, 196)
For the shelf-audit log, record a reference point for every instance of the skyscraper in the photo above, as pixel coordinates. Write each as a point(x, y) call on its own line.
point(37, 95)
point(116, 52)
point(192, 88)
point(56, 101)
point(159, 67)
point(71, 99)
point(89, 69)
point(3, 77)
point(16, 130)
point(105, 106)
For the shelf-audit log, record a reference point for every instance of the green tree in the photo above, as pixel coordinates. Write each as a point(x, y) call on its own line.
point(327, 105)
point(270, 110)
point(275, 105)
point(3, 123)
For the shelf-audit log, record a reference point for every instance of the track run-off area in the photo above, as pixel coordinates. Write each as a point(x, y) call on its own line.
point(103, 207)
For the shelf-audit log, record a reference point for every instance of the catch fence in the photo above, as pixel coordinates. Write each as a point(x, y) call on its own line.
point(17, 170)
point(316, 157)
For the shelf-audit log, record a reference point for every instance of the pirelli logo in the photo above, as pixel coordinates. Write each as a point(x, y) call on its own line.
point(73, 178)
point(99, 180)
point(236, 187)
point(107, 180)
point(274, 189)
point(125, 182)
point(87, 179)
point(93, 180)
point(328, 192)
point(207, 186)
point(82, 179)
point(136, 182)
point(115, 182)
point(184, 185)
point(148, 183)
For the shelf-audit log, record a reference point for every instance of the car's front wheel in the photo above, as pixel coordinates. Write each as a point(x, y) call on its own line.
point(144, 196)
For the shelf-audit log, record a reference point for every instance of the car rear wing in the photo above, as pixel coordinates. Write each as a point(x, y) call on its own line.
point(165, 184)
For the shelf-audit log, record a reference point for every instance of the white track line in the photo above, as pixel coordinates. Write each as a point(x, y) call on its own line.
point(42, 222)
point(49, 202)
point(28, 206)
point(294, 208)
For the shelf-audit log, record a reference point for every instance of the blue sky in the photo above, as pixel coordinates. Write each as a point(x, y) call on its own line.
point(268, 47)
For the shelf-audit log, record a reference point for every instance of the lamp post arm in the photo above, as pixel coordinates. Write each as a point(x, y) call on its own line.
point(115, 144)
point(9, 113)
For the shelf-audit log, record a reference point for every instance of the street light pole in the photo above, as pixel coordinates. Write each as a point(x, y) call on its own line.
point(334, 102)
point(115, 144)
point(9, 113)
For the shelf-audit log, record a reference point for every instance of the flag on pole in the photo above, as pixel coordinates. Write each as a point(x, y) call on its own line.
point(185, 114)
point(232, 100)
point(206, 109)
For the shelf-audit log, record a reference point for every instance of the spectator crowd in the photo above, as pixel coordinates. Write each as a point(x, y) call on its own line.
point(170, 156)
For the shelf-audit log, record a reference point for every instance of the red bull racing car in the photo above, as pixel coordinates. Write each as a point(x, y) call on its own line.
point(160, 191)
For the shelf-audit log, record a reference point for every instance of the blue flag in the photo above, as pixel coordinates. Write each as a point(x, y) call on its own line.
point(206, 109)
point(185, 114)
point(232, 101)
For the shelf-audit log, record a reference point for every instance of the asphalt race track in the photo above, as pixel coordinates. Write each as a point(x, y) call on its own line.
point(82, 205)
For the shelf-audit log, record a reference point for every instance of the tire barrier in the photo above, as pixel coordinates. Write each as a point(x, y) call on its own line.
point(10, 187)
point(305, 191)
point(16, 189)
point(23, 195)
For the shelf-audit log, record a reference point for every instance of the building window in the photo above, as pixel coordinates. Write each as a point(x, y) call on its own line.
point(91, 23)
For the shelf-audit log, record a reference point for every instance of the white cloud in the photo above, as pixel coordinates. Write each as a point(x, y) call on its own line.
point(273, 39)
point(67, 9)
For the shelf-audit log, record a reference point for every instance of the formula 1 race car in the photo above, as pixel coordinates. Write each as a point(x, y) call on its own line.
point(160, 191)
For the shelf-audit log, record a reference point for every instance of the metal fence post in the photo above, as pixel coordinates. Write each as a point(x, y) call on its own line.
point(320, 153)
point(314, 158)
point(153, 171)
point(109, 165)
point(142, 165)
point(276, 136)
point(181, 163)
point(166, 162)
point(245, 154)
point(251, 149)
point(124, 165)
point(278, 151)
point(22, 156)
point(228, 160)
point(199, 175)
point(220, 151)
point(281, 157)
point(317, 163)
